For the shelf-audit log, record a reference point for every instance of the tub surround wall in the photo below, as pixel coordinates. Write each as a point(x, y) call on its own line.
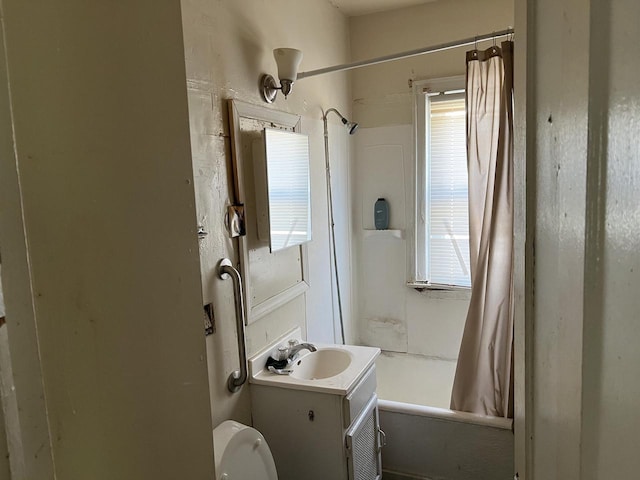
point(424, 326)
point(228, 45)
point(427, 326)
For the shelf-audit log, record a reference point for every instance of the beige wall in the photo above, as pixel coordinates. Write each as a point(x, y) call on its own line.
point(4, 450)
point(381, 93)
point(524, 220)
point(585, 361)
point(611, 371)
point(560, 78)
point(390, 315)
point(228, 46)
point(102, 285)
point(19, 438)
point(1, 295)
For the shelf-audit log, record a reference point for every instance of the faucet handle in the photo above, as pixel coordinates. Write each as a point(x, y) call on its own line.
point(293, 342)
point(282, 353)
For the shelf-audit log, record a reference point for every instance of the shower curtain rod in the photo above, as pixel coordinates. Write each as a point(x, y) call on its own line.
point(407, 54)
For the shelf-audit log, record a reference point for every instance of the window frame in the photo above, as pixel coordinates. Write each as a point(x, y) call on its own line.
point(417, 259)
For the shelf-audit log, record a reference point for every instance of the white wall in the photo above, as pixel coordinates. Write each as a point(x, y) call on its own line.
point(585, 360)
point(428, 325)
point(228, 45)
point(99, 247)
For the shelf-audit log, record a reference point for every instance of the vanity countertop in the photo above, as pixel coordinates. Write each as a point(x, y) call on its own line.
point(362, 359)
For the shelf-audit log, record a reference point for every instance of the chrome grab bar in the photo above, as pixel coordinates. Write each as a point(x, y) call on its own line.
point(238, 377)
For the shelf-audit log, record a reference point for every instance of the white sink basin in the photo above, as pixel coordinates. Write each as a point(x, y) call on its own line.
point(324, 363)
point(334, 369)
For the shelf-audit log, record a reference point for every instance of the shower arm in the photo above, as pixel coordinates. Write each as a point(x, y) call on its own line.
point(326, 115)
point(352, 126)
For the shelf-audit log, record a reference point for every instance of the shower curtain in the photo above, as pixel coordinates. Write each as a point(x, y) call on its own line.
point(484, 375)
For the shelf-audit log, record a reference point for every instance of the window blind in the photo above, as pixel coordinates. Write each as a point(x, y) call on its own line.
point(447, 193)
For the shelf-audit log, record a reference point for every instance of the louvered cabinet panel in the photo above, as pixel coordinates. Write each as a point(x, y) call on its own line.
point(363, 444)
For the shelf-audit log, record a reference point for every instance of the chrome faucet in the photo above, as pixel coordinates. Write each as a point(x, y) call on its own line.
point(290, 355)
point(295, 348)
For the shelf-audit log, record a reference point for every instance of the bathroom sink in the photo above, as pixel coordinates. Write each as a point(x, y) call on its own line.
point(323, 363)
point(333, 369)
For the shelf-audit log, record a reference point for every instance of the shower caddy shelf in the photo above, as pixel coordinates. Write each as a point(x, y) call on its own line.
point(368, 233)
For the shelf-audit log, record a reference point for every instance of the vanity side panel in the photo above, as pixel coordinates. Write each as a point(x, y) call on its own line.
point(358, 399)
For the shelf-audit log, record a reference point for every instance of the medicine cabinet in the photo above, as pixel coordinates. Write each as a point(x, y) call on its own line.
point(281, 169)
point(274, 271)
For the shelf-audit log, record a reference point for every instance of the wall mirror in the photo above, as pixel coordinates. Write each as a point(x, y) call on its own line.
point(281, 168)
point(270, 278)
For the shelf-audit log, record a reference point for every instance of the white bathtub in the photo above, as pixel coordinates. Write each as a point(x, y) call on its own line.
point(427, 440)
point(415, 379)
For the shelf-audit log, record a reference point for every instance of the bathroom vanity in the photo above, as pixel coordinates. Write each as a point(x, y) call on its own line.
point(318, 426)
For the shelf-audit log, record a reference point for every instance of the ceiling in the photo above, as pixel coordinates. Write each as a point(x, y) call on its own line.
point(354, 8)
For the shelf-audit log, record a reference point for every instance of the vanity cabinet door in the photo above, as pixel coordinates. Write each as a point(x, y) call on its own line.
point(363, 444)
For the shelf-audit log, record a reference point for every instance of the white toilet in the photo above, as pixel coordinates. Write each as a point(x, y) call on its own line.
point(242, 453)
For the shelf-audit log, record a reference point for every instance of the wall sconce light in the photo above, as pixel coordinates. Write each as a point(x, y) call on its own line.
point(288, 60)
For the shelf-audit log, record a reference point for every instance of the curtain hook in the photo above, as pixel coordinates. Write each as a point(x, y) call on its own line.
point(494, 39)
point(475, 44)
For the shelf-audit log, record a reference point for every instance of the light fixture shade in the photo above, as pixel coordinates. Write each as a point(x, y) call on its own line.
point(288, 60)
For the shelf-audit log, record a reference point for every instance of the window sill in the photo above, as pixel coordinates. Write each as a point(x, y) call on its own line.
point(448, 292)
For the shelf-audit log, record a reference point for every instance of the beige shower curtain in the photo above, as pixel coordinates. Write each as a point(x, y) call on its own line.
point(484, 375)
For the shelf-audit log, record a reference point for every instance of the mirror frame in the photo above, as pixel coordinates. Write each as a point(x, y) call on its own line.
point(237, 111)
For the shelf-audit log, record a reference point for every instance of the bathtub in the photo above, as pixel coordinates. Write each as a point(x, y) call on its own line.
point(396, 374)
point(433, 442)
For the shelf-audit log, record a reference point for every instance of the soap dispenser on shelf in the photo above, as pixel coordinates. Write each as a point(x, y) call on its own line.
point(381, 214)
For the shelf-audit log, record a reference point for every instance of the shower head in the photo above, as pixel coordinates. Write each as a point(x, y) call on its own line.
point(351, 126)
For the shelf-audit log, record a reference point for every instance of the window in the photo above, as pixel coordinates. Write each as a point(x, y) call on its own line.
point(442, 212)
